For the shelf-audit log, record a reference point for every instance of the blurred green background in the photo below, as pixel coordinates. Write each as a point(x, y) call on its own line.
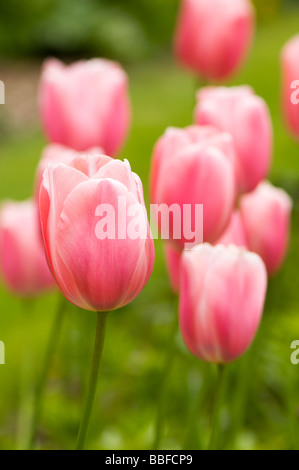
point(262, 411)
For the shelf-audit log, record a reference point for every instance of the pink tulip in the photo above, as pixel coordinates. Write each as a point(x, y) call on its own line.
point(85, 104)
point(234, 233)
point(96, 232)
point(172, 258)
point(54, 154)
point(290, 84)
point(246, 117)
point(194, 166)
point(23, 263)
point(266, 218)
point(213, 37)
point(222, 295)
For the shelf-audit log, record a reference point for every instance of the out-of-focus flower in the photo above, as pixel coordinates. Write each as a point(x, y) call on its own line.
point(85, 104)
point(54, 154)
point(191, 167)
point(172, 259)
point(222, 295)
point(213, 37)
point(238, 111)
point(23, 264)
point(266, 215)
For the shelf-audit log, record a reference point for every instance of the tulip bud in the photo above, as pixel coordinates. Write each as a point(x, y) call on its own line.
point(23, 264)
point(213, 37)
point(266, 219)
point(290, 84)
point(222, 295)
point(192, 167)
point(238, 111)
point(96, 232)
point(85, 104)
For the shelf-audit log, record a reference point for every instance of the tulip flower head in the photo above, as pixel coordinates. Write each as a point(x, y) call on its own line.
point(245, 116)
point(23, 264)
point(85, 104)
point(222, 295)
point(192, 167)
point(96, 232)
point(213, 37)
point(265, 214)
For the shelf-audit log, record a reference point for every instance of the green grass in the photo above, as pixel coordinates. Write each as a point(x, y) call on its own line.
point(265, 393)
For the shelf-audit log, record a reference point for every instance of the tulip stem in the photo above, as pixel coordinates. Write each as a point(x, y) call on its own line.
point(192, 438)
point(97, 354)
point(164, 375)
point(52, 342)
point(219, 396)
point(240, 392)
point(25, 379)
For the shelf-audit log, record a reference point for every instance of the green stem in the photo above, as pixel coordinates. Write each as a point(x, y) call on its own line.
point(192, 439)
point(240, 397)
point(40, 388)
point(164, 375)
point(25, 375)
point(219, 395)
point(97, 354)
point(291, 399)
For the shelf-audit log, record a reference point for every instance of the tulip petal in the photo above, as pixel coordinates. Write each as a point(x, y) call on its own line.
point(57, 182)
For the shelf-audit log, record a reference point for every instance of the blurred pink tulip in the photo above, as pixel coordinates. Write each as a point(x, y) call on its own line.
point(187, 167)
point(222, 295)
point(172, 258)
point(213, 37)
point(266, 218)
point(238, 111)
point(85, 212)
point(234, 233)
point(290, 84)
point(85, 104)
point(23, 264)
point(54, 154)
